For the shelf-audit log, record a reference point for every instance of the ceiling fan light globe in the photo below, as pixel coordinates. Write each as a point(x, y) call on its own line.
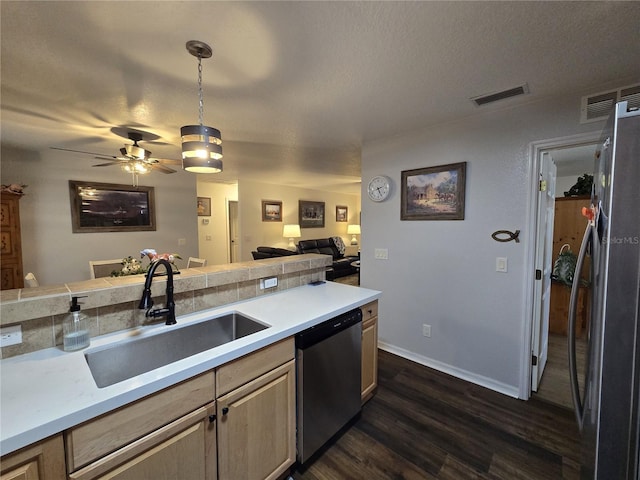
point(142, 168)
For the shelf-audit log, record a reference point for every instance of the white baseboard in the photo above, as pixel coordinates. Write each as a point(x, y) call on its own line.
point(486, 382)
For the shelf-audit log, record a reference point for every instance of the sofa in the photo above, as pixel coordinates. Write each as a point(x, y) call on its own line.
point(341, 265)
point(271, 252)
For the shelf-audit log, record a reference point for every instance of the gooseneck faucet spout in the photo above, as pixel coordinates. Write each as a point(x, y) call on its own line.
point(146, 302)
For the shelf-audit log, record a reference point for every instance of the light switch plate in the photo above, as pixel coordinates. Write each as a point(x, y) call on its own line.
point(501, 264)
point(381, 253)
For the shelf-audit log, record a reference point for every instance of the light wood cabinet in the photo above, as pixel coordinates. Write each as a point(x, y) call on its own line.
point(257, 421)
point(184, 449)
point(568, 228)
point(96, 438)
point(369, 350)
point(41, 461)
point(167, 435)
point(11, 275)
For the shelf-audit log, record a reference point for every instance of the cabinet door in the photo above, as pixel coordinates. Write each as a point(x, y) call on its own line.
point(256, 427)
point(184, 449)
point(42, 461)
point(369, 357)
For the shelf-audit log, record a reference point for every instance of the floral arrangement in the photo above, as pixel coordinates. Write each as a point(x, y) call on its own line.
point(133, 266)
point(130, 266)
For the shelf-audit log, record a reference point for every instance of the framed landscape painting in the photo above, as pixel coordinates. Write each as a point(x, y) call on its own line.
point(106, 207)
point(271, 211)
point(433, 193)
point(310, 214)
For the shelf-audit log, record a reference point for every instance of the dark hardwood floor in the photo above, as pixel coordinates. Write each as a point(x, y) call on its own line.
point(423, 424)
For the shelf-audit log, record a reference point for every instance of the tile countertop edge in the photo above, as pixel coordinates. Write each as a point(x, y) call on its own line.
point(37, 404)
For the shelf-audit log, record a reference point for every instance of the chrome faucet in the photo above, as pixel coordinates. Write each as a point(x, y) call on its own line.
point(146, 302)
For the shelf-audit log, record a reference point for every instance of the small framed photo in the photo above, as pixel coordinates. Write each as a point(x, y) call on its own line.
point(271, 211)
point(107, 207)
point(204, 206)
point(310, 214)
point(342, 213)
point(433, 193)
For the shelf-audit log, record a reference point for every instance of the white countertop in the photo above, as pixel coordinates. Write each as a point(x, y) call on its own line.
point(45, 392)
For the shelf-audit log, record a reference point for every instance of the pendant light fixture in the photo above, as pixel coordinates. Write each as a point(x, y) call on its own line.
point(201, 145)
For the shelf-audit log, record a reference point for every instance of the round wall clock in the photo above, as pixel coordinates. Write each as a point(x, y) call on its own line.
point(379, 188)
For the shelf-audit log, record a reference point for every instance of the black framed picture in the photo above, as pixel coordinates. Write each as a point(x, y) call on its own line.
point(310, 214)
point(204, 207)
point(271, 211)
point(106, 207)
point(434, 193)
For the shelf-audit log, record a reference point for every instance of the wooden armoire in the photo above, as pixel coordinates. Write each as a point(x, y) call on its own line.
point(568, 228)
point(10, 242)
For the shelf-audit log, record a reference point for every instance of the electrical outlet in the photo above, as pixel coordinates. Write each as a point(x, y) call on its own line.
point(182, 242)
point(10, 335)
point(426, 330)
point(381, 253)
point(268, 282)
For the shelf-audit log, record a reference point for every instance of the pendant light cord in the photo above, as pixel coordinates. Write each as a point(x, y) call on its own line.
point(201, 101)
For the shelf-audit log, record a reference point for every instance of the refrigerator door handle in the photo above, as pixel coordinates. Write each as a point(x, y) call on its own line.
point(578, 404)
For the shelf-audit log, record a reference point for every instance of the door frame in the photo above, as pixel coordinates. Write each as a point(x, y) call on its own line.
point(535, 152)
point(232, 205)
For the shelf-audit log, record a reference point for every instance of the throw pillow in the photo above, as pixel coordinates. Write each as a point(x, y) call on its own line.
point(337, 241)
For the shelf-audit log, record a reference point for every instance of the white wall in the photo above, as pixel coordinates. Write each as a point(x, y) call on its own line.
point(442, 273)
point(57, 255)
point(254, 232)
point(213, 238)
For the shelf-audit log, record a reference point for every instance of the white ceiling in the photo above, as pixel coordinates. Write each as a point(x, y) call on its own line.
point(295, 87)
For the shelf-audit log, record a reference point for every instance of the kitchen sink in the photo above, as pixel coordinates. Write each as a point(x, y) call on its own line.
point(114, 363)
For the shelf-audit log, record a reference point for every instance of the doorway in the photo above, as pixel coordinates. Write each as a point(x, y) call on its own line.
point(547, 351)
point(234, 244)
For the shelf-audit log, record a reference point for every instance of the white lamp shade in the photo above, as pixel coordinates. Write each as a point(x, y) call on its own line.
point(291, 231)
point(353, 229)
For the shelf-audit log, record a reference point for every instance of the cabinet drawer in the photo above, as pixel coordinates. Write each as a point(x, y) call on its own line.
point(184, 449)
point(369, 310)
point(98, 437)
point(245, 369)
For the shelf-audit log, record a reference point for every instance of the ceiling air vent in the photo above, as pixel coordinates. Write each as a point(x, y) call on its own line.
point(598, 106)
point(494, 97)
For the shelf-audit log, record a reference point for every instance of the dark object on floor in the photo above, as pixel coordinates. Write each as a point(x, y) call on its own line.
point(341, 265)
point(271, 252)
point(582, 186)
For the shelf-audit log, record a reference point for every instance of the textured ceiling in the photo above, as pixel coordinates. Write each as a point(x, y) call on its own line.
point(295, 87)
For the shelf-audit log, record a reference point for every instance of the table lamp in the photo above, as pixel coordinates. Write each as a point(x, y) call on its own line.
point(291, 232)
point(353, 230)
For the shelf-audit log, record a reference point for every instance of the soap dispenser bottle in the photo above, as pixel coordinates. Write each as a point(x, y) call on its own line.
point(75, 328)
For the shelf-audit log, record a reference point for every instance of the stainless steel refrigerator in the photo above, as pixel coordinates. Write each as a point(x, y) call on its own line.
point(607, 404)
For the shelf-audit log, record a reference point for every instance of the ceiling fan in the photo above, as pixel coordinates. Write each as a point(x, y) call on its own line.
point(133, 159)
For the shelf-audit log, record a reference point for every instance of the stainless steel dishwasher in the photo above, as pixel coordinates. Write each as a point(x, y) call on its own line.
point(329, 363)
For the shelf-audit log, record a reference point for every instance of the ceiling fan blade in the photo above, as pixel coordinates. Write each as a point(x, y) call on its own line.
point(86, 153)
point(109, 164)
point(166, 161)
point(162, 168)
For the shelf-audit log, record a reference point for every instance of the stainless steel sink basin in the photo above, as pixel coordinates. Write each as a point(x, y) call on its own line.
point(114, 363)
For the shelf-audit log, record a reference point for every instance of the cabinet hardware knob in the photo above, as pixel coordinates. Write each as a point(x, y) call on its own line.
point(225, 410)
point(212, 418)
point(370, 311)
